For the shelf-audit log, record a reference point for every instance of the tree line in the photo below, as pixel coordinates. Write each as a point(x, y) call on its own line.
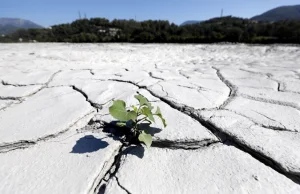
point(224, 29)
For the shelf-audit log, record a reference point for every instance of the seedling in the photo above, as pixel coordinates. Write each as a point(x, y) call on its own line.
point(136, 117)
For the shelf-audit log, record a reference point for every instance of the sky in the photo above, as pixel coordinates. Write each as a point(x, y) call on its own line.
point(50, 12)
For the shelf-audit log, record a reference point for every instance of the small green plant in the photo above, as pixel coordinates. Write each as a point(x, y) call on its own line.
point(136, 117)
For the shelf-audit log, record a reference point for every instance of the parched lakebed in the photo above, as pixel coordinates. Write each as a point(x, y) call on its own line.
point(233, 114)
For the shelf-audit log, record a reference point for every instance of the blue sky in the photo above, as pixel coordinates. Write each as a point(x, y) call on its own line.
point(49, 12)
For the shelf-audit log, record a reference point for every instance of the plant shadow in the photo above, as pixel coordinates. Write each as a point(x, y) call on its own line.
point(137, 151)
point(127, 137)
point(119, 132)
point(88, 144)
point(150, 130)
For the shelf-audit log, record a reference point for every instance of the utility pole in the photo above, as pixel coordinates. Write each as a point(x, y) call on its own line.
point(222, 12)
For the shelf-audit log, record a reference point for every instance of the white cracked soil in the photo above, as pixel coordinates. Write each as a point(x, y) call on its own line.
point(233, 114)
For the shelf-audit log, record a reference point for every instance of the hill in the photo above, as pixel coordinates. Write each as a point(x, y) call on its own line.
point(10, 25)
point(190, 22)
point(279, 14)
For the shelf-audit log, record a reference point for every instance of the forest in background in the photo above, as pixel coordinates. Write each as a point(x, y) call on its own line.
point(224, 29)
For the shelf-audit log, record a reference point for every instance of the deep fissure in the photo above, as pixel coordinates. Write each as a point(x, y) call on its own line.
point(223, 136)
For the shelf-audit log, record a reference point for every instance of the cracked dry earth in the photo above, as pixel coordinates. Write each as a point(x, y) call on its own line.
point(232, 112)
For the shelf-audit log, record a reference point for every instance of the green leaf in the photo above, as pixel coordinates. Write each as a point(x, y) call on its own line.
point(135, 109)
point(121, 124)
point(143, 101)
point(147, 112)
point(158, 113)
point(146, 139)
point(118, 111)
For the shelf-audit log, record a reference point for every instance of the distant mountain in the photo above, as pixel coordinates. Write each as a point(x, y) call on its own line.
point(280, 13)
point(190, 22)
point(10, 25)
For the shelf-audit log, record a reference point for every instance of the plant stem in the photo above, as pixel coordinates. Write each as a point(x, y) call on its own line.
point(140, 120)
point(138, 112)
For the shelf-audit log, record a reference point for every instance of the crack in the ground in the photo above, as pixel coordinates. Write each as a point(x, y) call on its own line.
point(184, 145)
point(270, 101)
point(259, 124)
point(268, 118)
point(280, 85)
point(234, 141)
point(99, 183)
point(118, 75)
point(121, 186)
point(154, 77)
point(23, 144)
point(90, 70)
point(232, 88)
point(97, 124)
point(19, 85)
point(93, 104)
point(52, 77)
point(198, 89)
point(234, 92)
point(182, 74)
point(290, 91)
point(187, 87)
point(253, 72)
point(4, 148)
point(110, 173)
point(39, 84)
point(201, 88)
point(162, 89)
point(8, 105)
point(46, 84)
point(124, 150)
point(124, 81)
point(10, 98)
point(21, 99)
point(224, 136)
